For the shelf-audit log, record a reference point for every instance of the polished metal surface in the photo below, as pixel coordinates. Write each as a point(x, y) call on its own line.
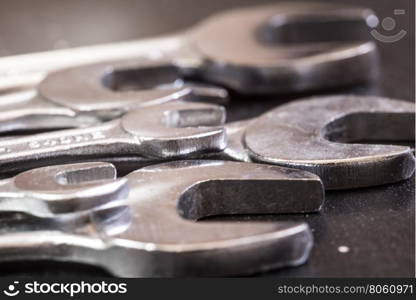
point(86, 96)
point(62, 190)
point(128, 111)
point(328, 141)
point(168, 131)
point(283, 48)
point(287, 47)
point(152, 232)
point(323, 135)
point(26, 111)
point(374, 215)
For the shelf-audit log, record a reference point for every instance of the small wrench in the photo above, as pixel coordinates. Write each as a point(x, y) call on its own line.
point(317, 142)
point(166, 131)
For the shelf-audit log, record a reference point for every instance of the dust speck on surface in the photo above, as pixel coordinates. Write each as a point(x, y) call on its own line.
point(343, 249)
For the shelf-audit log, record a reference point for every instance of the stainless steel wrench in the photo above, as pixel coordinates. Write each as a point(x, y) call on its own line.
point(152, 232)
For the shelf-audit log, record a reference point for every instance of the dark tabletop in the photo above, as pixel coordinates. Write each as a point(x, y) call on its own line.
point(377, 224)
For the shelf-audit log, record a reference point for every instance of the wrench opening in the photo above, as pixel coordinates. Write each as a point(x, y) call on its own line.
point(369, 127)
point(163, 76)
point(314, 29)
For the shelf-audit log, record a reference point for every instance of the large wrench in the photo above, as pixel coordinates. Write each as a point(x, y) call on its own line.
point(152, 232)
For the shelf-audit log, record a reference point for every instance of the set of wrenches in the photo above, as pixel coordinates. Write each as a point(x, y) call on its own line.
point(110, 154)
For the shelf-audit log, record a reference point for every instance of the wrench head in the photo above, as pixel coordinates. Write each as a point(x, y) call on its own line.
point(287, 47)
point(69, 188)
point(177, 129)
point(317, 140)
point(180, 192)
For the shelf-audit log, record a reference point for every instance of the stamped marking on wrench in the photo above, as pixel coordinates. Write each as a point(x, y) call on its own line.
point(67, 140)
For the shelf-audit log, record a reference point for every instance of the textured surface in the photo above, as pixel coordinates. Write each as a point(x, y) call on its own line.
point(376, 224)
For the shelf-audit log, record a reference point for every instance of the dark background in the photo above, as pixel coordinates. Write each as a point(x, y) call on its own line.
point(377, 224)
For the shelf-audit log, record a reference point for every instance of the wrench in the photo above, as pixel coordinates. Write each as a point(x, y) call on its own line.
point(168, 131)
point(152, 232)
